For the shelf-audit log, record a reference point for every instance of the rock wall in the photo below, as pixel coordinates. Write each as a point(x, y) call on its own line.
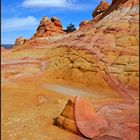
point(107, 53)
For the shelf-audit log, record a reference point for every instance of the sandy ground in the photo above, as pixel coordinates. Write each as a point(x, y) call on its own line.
point(28, 108)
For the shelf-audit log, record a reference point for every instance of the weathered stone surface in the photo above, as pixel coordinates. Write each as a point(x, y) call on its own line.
point(56, 22)
point(20, 41)
point(68, 111)
point(107, 137)
point(83, 24)
point(67, 118)
point(100, 8)
point(49, 27)
point(88, 123)
point(102, 58)
point(83, 119)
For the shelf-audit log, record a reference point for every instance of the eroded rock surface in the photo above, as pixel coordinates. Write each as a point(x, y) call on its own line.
point(67, 118)
point(84, 24)
point(49, 27)
point(103, 58)
point(103, 121)
point(20, 41)
point(102, 7)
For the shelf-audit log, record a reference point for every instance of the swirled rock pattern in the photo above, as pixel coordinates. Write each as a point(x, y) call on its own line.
point(102, 58)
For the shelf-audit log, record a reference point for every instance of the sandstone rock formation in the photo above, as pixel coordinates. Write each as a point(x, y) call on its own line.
point(56, 22)
point(20, 41)
point(96, 14)
point(49, 27)
point(84, 24)
point(67, 119)
point(101, 59)
point(79, 117)
point(116, 79)
point(102, 7)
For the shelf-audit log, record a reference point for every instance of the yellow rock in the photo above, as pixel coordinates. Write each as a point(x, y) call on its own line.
point(125, 41)
point(121, 60)
point(123, 25)
point(70, 125)
point(68, 112)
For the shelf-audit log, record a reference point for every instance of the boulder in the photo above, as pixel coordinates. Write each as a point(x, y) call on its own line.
point(67, 120)
point(20, 41)
point(84, 24)
point(80, 117)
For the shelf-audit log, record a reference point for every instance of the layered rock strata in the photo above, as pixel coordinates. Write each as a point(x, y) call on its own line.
point(102, 7)
point(20, 42)
point(103, 58)
point(49, 27)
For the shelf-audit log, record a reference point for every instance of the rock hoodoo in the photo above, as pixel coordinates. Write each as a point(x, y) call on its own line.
point(49, 27)
point(56, 22)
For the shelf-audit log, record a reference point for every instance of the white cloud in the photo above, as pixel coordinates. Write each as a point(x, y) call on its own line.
point(16, 23)
point(69, 4)
point(45, 3)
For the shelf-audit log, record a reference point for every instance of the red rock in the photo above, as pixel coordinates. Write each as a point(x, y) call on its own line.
point(96, 14)
point(49, 27)
point(107, 137)
point(102, 7)
point(85, 25)
point(89, 124)
point(103, 58)
point(56, 22)
point(3, 49)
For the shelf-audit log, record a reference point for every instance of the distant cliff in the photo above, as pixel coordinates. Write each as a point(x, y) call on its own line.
point(7, 46)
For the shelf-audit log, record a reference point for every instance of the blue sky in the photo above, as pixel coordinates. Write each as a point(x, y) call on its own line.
point(22, 17)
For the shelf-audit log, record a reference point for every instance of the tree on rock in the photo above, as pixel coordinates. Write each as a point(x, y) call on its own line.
point(70, 28)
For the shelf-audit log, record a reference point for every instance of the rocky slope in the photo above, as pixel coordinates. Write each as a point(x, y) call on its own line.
point(101, 8)
point(101, 57)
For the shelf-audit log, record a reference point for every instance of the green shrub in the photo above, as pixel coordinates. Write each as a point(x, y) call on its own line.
point(70, 28)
